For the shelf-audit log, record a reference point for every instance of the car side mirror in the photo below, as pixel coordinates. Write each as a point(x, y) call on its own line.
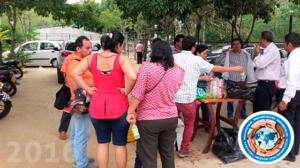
point(55, 49)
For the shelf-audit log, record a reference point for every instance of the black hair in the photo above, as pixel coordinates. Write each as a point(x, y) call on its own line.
point(162, 53)
point(155, 40)
point(236, 39)
point(292, 38)
point(178, 37)
point(200, 48)
point(117, 37)
point(79, 41)
point(267, 35)
point(103, 39)
point(110, 43)
point(188, 43)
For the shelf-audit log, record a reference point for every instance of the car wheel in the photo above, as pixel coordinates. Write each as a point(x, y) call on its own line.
point(54, 63)
point(60, 76)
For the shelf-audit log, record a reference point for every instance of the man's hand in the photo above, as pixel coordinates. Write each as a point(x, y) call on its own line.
point(257, 48)
point(131, 118)
point(282, 106)
point(238, 69)
point(226, 51)
point(91, 90)
point(205, 78)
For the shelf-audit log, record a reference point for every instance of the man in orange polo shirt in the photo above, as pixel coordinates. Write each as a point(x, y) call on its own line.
point(80, 132)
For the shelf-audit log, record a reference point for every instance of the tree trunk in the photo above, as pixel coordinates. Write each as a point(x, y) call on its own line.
point(198, 26)
point(0, 52)
point(13, 31)
point(169, 21)
point(252, 27)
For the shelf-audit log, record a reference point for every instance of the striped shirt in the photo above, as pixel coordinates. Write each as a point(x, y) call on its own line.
point(235, 59)
point(193, 67)
point(159, 103)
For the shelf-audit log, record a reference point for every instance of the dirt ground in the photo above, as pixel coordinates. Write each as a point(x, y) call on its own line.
point(29, 137)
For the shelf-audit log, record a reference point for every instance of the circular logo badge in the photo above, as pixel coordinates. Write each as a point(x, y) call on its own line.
point(266, 137)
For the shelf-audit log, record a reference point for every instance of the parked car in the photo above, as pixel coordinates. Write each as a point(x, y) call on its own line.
point(68, 47)
point(42, 53)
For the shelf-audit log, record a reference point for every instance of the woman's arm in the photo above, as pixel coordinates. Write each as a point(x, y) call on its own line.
point(130, 73)
point(131, 109)
point(76, 74)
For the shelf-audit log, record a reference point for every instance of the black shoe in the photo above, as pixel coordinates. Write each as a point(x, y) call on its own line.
point(291, 159)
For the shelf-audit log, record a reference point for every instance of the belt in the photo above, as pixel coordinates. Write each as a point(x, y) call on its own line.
point(265, 81)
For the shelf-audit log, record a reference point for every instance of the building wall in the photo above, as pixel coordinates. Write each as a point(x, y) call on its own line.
point(65, 33)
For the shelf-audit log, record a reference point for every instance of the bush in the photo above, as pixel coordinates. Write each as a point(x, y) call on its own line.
point(21, 56)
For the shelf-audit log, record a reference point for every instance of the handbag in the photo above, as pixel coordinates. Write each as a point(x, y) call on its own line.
point(237, 91)
point(62, 97)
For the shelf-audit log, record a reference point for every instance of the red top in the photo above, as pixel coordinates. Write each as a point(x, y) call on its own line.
point(108, 102)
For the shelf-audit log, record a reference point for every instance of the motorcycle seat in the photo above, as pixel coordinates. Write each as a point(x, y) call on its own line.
point(4, 72)
point(3, 67)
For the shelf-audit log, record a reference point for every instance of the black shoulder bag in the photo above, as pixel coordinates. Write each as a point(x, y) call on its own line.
point(63, 96)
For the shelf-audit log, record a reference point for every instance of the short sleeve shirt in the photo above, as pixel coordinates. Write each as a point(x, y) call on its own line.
point(193, 67)
point(159, 103)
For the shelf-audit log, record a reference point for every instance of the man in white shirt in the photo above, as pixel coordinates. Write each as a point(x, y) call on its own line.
point(185, 98)
point(267, 72)
point(290, 83)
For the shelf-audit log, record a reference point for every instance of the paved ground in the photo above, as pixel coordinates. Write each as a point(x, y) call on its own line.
point(29, 139)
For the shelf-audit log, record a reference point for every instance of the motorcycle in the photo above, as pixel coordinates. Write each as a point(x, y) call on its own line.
point(5, 103)
point(9, 82)
point(15, 66)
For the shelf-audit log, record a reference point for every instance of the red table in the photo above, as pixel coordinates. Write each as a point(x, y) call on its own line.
point(215, 118)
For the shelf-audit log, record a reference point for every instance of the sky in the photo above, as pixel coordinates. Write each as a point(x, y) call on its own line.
point(73, 1)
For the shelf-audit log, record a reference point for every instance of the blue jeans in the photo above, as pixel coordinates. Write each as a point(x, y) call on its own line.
point(80, 134)
point(230, 104)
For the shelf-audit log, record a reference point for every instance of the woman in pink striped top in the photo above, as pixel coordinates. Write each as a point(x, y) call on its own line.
point(153, 96)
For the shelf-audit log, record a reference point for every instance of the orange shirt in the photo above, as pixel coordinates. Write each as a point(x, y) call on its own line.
point(71, 63)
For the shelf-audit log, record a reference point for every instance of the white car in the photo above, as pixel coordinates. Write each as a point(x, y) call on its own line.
point(43, 53)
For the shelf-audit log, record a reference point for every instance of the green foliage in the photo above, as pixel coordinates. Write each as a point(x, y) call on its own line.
point(21, 56)
point(19, 34)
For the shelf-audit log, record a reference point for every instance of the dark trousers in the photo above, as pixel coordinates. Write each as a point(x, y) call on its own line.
point(292, 114)
point(139, 57)
point(157, 134)
point(64, 122)
point(263, 96)
point(230, 108)
point(138, 163)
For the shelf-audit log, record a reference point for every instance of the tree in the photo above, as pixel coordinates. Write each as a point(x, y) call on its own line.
point(3, 37)
point(162, 12)
point(233, 11)
point(14, 7)
point(197, 12)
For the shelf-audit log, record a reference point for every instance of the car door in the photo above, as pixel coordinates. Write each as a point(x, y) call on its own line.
point(30, 50)
point(46, 53)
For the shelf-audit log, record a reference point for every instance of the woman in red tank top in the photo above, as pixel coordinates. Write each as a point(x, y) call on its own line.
point(109, 102)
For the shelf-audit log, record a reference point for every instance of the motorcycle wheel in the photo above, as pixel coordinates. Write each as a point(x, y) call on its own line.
point(9, 87)
point(18, 73)
point(5, 107)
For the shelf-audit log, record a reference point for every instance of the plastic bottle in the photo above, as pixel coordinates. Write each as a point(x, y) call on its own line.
point(243, 76)
point(135, 132)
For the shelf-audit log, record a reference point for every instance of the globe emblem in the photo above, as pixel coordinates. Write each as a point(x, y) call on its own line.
point(265, 138)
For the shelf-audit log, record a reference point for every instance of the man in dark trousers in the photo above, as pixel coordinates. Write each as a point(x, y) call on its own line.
point(290, 89)
point(267, 65)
